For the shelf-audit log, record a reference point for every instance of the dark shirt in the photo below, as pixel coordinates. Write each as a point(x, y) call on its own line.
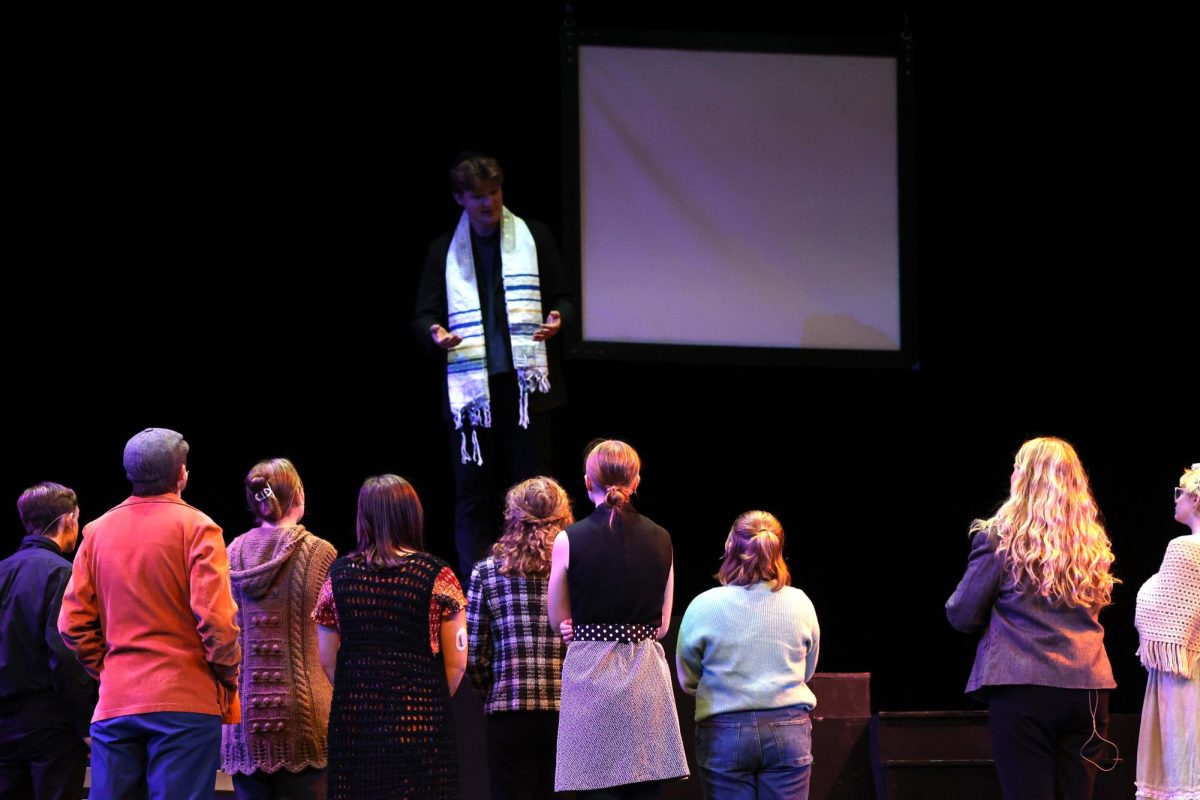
point(40, 680)
point(489, 278)
point(617, 573)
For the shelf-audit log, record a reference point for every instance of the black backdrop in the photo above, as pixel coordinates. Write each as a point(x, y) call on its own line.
point(216, 225)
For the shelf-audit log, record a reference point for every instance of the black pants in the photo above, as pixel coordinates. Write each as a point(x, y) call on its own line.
point(1040, 737)
point(521, 752)
point(510, 455)
point(307, 784)
point(48, 763)
point(650, 790)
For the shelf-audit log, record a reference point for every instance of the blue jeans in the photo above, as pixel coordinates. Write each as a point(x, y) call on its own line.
point(166, 755)
point(755, 754)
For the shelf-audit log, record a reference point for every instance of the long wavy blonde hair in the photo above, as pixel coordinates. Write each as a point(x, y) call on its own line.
point(1049, 528)
point(534, 512)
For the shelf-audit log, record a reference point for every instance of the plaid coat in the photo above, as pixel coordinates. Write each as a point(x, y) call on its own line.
point(514, 658)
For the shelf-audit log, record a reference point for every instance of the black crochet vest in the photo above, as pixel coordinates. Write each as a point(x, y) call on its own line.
point(391, 732)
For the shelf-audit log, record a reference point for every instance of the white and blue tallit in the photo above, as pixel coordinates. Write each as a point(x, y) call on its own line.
point(466, 364)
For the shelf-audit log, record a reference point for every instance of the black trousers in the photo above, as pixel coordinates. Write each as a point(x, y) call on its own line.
point(510, 455)
point(47, 763)
point(521, 754)
point(1041, 738)
point(307, 784)
point(650, 790)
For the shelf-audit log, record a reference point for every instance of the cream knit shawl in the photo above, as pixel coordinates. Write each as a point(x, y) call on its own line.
point(1168, 611)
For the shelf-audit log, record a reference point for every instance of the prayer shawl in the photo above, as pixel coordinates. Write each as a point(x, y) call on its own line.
point(466, 364)
point(1168, 611)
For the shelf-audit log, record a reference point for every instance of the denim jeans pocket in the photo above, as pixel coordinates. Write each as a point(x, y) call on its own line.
point(793, 741)
point(717, 744)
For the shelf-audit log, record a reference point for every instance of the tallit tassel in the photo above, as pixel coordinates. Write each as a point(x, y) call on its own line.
point(463, 449)
point(478, 454)
point(524, 404)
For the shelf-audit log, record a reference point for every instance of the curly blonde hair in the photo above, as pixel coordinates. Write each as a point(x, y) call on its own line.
point(534, 512)
point(1051, 537)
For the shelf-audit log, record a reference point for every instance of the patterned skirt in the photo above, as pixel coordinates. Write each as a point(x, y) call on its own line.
point(617, 722)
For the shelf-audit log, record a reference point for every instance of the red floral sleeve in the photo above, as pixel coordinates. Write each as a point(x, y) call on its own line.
point(326, 612)
point(446, 601)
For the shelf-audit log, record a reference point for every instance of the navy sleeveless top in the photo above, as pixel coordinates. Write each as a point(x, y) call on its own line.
point(617, 574)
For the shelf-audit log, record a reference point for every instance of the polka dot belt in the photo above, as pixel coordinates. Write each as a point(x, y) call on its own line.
point(615, 632)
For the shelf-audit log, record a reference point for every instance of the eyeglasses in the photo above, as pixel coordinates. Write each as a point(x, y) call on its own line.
point(1180, 492)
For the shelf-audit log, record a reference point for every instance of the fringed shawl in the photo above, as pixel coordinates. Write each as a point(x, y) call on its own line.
point(1168, 611)
point(466, 365)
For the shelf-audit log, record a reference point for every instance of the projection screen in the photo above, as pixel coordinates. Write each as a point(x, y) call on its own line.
point(738, 200)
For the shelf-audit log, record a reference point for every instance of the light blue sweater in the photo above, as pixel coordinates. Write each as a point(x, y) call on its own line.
point(746, 648)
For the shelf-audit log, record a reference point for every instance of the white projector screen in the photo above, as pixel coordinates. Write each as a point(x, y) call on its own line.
point(738, 199)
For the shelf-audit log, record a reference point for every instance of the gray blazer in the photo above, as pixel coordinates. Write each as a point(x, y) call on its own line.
point(1026, 639)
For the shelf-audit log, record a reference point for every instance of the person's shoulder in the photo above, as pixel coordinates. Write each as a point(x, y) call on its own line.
point(324, 547)
point(641, 519)
point(243, 537)
point(657, 530)
point(114, 513)
point(538, 228)
point(341, 562)
point(441, 244)
point(234, 548)
point(1187, 545)
point(433, 562)
point(315, 543)
point(485, 568)
point(710, 602)
point(581, 525)
point(195, 515)
point(172, 504)
point(985, 539)
point(713, 596)
point(48, 559)
point(796, 595)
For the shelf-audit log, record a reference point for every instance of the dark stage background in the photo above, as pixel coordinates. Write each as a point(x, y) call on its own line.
point(217, 224)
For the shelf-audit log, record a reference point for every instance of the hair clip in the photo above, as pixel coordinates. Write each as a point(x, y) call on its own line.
point(264, 494)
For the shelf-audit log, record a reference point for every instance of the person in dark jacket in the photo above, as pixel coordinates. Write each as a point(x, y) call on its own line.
point(491, 303)
point(46, 697)
point(1038, 575)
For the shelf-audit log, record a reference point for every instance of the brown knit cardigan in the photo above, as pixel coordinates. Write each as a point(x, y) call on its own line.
point(277, 575)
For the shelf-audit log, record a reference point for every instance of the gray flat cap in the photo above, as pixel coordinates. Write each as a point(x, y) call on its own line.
point(153, 454)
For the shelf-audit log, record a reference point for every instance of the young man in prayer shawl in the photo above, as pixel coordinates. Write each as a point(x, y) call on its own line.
point(492, 302)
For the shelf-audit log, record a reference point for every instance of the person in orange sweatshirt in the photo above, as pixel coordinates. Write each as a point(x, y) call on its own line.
point(149, 613)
